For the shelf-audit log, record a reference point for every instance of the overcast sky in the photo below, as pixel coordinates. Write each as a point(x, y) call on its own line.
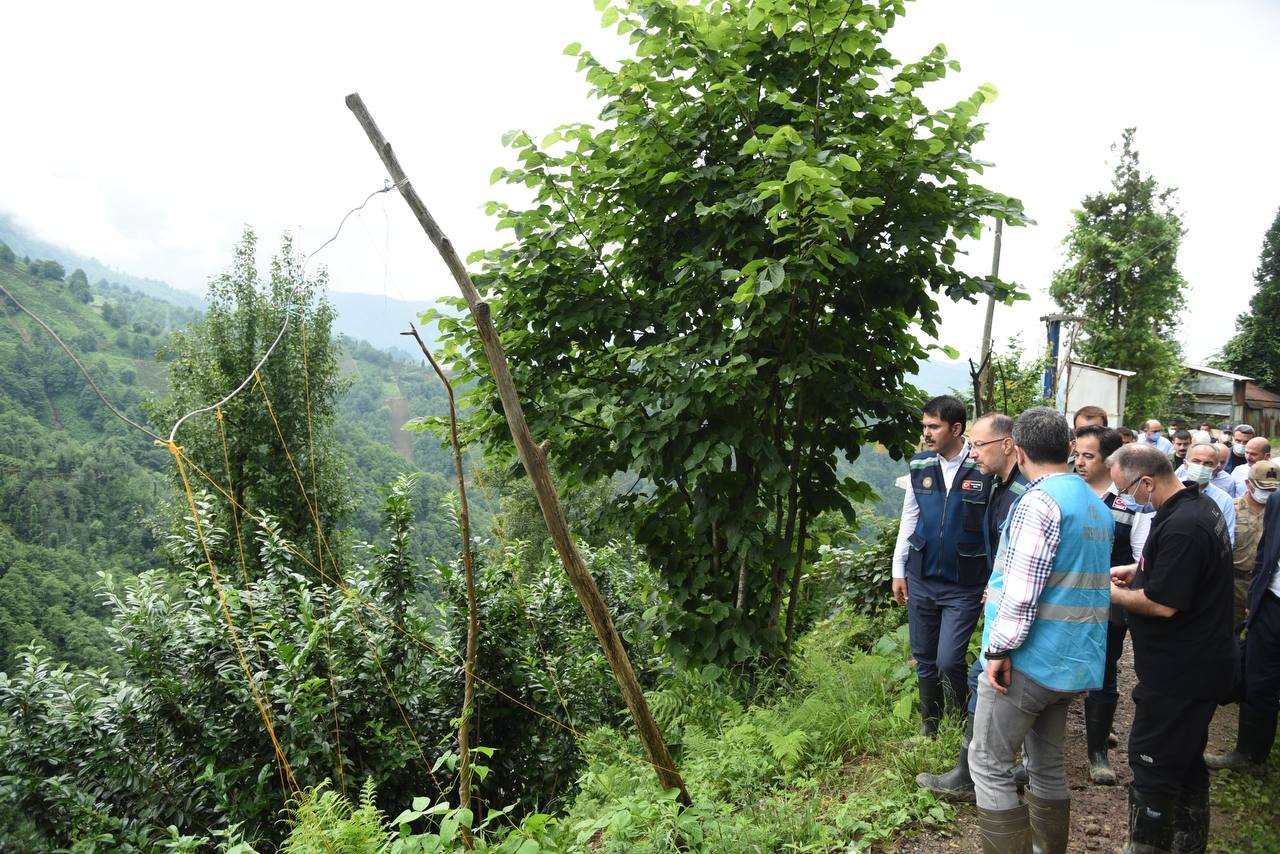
point(148, 135)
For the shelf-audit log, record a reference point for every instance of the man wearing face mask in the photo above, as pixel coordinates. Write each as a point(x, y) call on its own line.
point(1255, 449)
point(1264, 478)
point(1178, 604)
point(1203, 471)
point(1151, 435)
point(1224, 481)
point(1239, 438)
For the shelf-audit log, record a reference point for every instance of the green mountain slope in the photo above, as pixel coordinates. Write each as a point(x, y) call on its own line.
point(82, 493)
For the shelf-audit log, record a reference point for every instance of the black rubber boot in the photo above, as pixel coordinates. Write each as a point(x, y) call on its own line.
point(1150, 825)
point(1050, 825)
point(955, 785)
point(1005, 831)
point(1097, 726)
point(1254, 735)
point(930, 706)
point(1191, 825)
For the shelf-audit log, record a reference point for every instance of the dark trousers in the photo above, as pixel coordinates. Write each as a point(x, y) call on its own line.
point(1166, 745)
point(1262, 675)
point(942, 617)
point(1108, 695)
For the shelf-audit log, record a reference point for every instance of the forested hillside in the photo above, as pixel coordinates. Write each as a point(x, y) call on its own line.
point(84, 494)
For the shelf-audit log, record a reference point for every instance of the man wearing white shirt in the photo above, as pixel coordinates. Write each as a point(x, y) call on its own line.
point(1151, 435)
point(1204, 469)
point(940, 565)
point(1257, 448)
point(1218, 476)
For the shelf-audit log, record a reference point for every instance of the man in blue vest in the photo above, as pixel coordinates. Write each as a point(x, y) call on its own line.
point(991, 447)
point(940, 561)
point(1044, 640)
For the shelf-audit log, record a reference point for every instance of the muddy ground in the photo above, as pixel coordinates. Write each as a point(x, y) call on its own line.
point(1099, 814)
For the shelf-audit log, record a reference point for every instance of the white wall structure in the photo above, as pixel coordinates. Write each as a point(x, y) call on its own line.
point(1090, 385)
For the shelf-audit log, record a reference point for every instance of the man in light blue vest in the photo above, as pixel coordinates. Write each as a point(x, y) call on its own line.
point(1044, 640)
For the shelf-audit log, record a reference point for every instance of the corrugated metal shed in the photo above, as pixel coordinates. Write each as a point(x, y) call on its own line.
point(1216, 396)
point(1262, 409)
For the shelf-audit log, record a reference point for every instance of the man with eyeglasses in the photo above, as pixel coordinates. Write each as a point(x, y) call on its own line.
point(991, 447)
point(1178, 604)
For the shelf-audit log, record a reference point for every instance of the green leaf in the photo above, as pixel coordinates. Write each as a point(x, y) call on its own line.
point(610, 17)
point(573, 49)
point(902, 87)
point(501, 172)
point(669, 177)
point(550, 139)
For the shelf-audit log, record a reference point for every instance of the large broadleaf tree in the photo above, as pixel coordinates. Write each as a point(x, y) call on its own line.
point(723, 287)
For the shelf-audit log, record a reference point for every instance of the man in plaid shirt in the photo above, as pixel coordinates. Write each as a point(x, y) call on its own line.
point(1044, 640)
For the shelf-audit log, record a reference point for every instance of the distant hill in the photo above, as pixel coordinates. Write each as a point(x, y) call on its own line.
point(940, 376)
point(82, 493)
point(24, 244)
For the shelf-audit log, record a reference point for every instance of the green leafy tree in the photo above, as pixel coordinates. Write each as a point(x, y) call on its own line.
point(1255, 348)
point(722, 288)
point(211, 358)
point(1122, 277)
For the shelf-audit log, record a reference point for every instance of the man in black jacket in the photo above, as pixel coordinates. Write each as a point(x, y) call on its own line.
point(1257, 727)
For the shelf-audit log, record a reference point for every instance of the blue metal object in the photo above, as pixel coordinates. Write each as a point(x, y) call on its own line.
point(1051, 369)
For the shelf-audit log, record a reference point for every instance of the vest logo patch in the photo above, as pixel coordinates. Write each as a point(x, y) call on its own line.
point(927, 483)
point(971, 485)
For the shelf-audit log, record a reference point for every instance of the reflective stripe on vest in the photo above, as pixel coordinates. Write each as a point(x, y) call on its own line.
point(1066, 645)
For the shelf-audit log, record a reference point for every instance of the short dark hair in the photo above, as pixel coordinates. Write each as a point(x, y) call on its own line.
point(1181, 435)
point(1043, 435)
point(947, 408)
point(1108, 440)
point(1243, 428)
point(1126, 432)
point(1090, 412)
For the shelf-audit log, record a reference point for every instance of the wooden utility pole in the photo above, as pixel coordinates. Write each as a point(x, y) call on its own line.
point(984, 399)
point(535, 464)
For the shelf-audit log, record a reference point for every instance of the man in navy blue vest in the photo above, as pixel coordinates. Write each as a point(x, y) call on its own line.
point(940, 562)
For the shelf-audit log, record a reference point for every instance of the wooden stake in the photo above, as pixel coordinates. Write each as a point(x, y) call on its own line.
point(535, 464)
point(473, 611)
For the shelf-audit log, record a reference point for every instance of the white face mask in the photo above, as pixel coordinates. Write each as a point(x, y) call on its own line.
point(1260, 495)
point(1237, 448)
point(1197, 473)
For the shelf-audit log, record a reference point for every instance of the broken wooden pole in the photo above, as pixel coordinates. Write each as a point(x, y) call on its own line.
point(535, 464)
point(473, 610)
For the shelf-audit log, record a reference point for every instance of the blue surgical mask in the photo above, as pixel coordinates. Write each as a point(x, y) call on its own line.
point(1197, 473)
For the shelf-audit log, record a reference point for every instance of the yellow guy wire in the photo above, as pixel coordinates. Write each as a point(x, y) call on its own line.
point(455, 659)
point(226, 613)
point(342, 583)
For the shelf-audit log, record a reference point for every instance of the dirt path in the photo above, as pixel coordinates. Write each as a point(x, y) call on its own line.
point(402, 441)
point(1099, 814)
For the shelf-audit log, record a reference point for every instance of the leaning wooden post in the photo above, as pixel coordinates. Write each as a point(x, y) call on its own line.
point(535, 464)
point(473, 611)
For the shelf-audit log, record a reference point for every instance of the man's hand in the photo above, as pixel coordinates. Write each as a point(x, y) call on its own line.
point(999, 672)
point(1122, 576)
point(900, 590)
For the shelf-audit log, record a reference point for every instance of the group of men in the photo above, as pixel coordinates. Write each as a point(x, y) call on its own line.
point(1066, 538)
